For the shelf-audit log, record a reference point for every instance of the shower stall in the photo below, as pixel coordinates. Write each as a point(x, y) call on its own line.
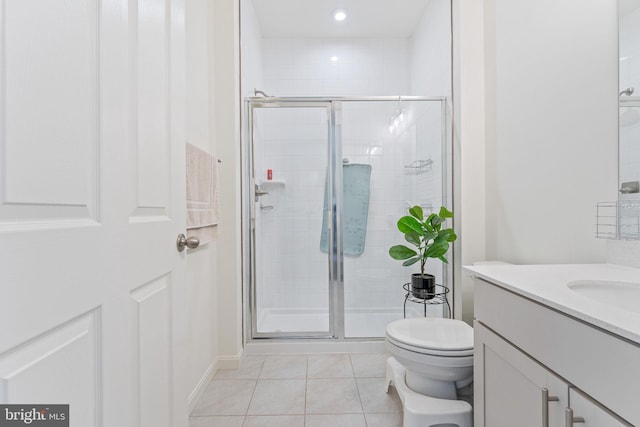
point(325, 180)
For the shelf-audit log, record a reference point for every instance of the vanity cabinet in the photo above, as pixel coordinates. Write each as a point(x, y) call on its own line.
point(535, 366)
point(582, 407)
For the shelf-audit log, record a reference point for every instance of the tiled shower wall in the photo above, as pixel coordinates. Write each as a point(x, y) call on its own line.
point(304, 67)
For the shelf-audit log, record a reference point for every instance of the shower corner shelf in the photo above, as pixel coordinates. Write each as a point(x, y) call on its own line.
point(418, 167)
point(269, 182)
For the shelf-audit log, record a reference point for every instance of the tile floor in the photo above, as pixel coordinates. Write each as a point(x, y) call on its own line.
point(316, 390)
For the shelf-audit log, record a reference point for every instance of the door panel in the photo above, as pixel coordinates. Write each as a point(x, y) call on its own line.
point(153, 327)
point(508, 387)
point(55, 149)
point(91, 201)
point(69, 351)
point(291, 273)
point(48, 153)
point(150, 107)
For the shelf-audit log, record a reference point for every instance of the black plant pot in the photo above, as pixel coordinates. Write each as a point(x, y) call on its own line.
point(423, 286)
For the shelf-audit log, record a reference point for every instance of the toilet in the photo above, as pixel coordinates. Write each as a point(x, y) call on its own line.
point(437, 354)
point(432, 358)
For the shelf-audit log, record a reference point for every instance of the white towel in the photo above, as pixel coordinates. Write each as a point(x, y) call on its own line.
point(203, 211)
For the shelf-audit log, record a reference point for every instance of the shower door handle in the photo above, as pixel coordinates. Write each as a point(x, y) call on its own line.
point(258, 192)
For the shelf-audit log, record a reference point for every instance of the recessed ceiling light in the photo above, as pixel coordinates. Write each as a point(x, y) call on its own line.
point(334, 59)
point(339, 15)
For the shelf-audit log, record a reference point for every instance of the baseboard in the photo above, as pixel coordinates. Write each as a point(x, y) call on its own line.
point(223, 362)
point(230, 362)
point(198, 391)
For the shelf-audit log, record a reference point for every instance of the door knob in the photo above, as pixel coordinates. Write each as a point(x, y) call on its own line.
point(190, 242)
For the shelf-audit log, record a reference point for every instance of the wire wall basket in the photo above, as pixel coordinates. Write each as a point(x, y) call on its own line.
point(418, 167)
point(618, 220)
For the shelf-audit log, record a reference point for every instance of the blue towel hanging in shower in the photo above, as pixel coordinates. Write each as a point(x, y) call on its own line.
point(355, 211)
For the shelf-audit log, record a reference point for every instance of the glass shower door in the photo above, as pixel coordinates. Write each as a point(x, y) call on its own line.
point(290, 296)
point(402, 143)
point(329, 179)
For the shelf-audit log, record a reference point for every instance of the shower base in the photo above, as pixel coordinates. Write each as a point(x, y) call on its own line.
point(359, 322)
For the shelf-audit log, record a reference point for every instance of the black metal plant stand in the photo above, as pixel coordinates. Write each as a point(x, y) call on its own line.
point(439, 297)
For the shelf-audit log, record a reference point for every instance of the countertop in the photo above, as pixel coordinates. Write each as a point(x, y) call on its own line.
point(547, 284)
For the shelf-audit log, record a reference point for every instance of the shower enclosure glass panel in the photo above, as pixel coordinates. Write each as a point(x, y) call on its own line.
point(402, 141)
point(290, 149)
point(342, 172)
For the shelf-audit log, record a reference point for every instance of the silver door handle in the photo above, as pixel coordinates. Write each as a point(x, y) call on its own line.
point(570, 420)
point(545, 406)
point(257, 192)
point(190, 242)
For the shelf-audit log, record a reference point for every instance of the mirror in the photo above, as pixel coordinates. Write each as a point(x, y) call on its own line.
point(629, 99)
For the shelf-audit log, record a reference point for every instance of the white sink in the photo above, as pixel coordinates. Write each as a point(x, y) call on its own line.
point(624, 295)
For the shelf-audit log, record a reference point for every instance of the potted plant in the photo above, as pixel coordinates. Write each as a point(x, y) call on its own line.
point(430, 241)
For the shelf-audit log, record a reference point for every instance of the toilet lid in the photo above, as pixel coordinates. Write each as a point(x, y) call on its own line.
point(432, 333)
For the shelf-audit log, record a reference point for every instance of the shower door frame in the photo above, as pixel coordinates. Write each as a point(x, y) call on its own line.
point(335, 203)
point(335, 254)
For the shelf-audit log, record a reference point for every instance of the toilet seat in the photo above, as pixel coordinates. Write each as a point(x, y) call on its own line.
point(430, 351)
point(432, 336)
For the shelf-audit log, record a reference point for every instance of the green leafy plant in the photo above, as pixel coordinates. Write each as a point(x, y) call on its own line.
point(427, 235)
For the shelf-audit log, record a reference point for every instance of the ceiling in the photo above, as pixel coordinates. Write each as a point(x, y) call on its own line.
point(313, 18)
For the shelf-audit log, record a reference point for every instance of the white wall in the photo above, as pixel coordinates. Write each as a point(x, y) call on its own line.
point(431, 51)
point(469, 148)
point(551, 105)
point(202, 262)
point(225, 108)
point(213, 123)
point(251, 50)
point(530, 175)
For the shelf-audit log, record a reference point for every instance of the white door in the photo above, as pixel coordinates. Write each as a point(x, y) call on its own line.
point(91, 201)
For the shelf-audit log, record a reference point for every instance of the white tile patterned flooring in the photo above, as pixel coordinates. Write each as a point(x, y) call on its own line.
point(311, 390)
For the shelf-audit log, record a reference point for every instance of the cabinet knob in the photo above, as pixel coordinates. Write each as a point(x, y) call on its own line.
point(570, 420)
point(545, 405)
